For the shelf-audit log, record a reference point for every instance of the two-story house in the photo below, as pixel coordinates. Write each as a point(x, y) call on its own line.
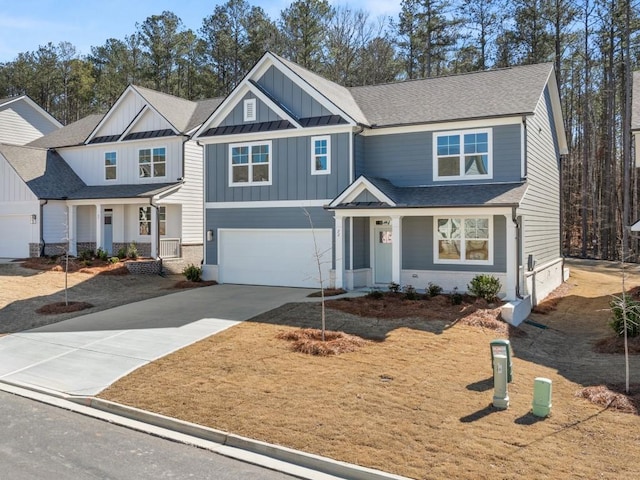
point(422, 181)
point(132, 175)
point(21, 121)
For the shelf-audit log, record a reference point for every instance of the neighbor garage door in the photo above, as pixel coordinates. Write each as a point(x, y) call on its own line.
point(281, 257)
point(15, 234)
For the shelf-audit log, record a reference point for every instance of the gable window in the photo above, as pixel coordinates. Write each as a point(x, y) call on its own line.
point(463, 240)
point(110, 165)
point(463, 155)
point(250, 110)
point(144, 221)
point(250, 164)
point(152, 162)
point(320, 155)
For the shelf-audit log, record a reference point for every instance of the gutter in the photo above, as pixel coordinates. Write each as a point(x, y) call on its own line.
point(514, 219)
point(42, 242)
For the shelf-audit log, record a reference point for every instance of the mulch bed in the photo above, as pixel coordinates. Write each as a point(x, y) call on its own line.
point(62, 307)
point(613, 396)
point(309, 341)
point(328, 292)
point(190, 284)
point(92, 267)
point(616, 345)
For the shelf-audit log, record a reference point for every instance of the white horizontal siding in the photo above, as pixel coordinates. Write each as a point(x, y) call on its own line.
point(12, 187)
point(190, 195)
point(20, 123)
point(88, 161)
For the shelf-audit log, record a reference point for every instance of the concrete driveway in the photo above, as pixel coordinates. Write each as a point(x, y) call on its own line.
point(86, 354)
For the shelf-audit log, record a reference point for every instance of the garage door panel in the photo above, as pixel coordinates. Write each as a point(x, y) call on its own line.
point(281, 257)
point(15, 235)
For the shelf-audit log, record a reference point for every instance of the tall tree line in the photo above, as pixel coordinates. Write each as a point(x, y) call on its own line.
point(594, 45)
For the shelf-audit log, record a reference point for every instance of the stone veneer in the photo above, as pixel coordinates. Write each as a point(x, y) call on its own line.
point(144, 267)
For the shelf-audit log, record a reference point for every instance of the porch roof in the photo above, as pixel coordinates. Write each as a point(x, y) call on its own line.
point(443, 196)
point(103, 192)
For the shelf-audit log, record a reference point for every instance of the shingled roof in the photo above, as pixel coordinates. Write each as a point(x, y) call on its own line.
point(46, 174)
point(73, 134)
point(492, 93)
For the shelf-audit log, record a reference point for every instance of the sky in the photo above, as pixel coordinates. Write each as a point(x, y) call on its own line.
point(27, 24)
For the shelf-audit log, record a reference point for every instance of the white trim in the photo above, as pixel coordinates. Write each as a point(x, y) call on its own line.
point(250, 182)
point(356, 188)
point(276, 134)
point(523, 146)
point(462, 261)
point(352, 158)
point(461, 156)
point(249, 107)
point(109, 113)
point(268, 204)
point(115, 167)
point(151, 162)
point(557, 112)
point(315, 139)
point(442, 126)
point(479, 211)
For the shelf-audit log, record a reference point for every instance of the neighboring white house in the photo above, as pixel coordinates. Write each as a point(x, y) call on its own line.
point(21, 121)
point(132, 175)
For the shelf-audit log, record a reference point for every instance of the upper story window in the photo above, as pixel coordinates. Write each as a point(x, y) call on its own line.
point(320, 155)
point(250, 164)
point(463, 240)
point(462, 155)
point(250, 114)
point(152, 162)
point(110, 166)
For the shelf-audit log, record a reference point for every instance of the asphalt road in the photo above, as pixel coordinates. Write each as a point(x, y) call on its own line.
point(38, 441)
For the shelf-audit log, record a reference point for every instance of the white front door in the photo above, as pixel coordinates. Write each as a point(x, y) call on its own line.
point(382, 240)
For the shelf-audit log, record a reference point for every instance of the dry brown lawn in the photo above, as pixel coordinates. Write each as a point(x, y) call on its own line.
point(416, 399)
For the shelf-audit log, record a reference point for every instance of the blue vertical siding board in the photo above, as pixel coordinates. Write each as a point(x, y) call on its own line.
point(347, 245)
point(361, 246)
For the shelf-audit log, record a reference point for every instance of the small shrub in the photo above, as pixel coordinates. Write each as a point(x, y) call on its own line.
point(410, 292)
point(102, 254)
point(633, 316)
point(132, 251)
point(114, 260)
point(455, 297)
point(86, 263)
point(85, 255)
point(122, 253)
point(375, 294)
point(433, 290)
point(192, 273)
point(484, 286)
point(394, 287)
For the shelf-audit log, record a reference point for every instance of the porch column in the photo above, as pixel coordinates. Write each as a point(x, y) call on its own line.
point(512, 260)
point(154, 232)
point(339, 250)
point(396, 248)
point(99, 226)
point(71, 233)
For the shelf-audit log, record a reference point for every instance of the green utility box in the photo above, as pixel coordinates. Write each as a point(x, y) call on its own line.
point(502, 347)
point(541, 397)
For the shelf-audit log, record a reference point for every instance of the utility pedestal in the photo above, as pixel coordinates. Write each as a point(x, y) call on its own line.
point(541, 397)
point(500, 381)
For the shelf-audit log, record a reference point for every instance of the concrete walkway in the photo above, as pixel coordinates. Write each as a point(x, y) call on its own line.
point(86, 354)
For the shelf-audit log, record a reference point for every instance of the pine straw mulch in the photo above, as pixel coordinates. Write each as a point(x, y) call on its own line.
point(62, 307)
point(189, 284)
point(473, 311)
point(92, 267)
point(612, 396)
point(615, 344)
point(328, 292)
point(550, 303)
point(309, 341)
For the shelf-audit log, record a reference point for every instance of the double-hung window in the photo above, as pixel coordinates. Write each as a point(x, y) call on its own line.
point(110, 165)
point(144, 220)
point(462, 155)
point(463, 240)
point(321, 155)
point(250, 164)
point(152, 162)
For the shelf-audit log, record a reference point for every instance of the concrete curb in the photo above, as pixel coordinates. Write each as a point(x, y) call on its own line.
point(275, 457)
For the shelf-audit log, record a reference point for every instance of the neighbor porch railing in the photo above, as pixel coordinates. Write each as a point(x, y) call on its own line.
point(170, 248)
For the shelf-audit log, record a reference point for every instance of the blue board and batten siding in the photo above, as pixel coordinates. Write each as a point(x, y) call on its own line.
point(406, 159)
point(268, 218)
point(417, 247)
point(540, 207)
point(263, 113)
point(291, 173)
point(286, 92)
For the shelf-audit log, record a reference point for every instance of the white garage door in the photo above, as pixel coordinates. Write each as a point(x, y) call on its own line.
point(15, 234)
point(282, 257)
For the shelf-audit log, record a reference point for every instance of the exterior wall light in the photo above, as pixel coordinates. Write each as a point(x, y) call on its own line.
point(209, 235)
point(34, 219)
